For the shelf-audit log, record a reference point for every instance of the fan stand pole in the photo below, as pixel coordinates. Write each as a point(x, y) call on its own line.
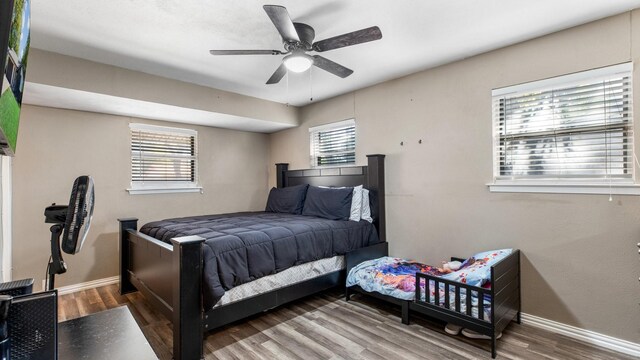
point(56, 264)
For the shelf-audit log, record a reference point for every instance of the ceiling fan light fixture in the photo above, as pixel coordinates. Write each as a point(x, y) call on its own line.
point(298, 62)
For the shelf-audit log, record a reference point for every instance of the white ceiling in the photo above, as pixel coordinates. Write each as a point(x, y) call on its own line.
point(171, 38)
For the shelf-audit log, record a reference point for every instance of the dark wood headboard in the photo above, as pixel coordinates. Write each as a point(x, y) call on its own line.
point(370, 176)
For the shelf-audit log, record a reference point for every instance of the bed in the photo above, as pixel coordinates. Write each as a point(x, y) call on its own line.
point(483, 297)
point(172, 263)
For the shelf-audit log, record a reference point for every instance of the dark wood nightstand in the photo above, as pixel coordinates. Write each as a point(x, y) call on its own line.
point(111, 334)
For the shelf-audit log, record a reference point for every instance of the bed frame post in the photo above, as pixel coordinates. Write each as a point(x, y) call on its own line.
point(519, 316)
point(280, 170)
point(125, 254)
point(375, 182)
point(187, 297)
point(494, 344)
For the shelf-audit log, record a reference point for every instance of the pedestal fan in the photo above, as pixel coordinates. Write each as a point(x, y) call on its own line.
point(72, 222)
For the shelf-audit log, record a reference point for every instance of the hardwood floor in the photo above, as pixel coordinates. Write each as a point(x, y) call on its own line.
point(327, 327)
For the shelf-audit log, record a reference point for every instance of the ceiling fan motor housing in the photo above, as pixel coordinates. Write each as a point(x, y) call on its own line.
point(306, 35)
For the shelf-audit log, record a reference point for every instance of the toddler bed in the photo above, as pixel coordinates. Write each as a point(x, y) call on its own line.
point(482, 296)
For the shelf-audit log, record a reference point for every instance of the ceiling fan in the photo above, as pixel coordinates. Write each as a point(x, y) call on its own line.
point(298, 40)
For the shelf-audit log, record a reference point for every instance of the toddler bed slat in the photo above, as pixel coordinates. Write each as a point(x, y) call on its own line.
point(446, 296)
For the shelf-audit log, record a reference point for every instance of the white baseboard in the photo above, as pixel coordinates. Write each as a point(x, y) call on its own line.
point(587, 336)
point(88, 285)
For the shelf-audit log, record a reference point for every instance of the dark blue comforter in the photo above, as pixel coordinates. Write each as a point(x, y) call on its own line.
point(242, 247)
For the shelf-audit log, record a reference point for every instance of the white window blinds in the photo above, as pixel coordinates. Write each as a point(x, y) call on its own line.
point(333, 144)
point(163, 156)
point(578, 126)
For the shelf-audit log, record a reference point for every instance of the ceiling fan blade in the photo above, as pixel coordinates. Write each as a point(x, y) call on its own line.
point(280, 18)
point(332, 67)
point(280, 72)
point(245, 52)
point(352, 38)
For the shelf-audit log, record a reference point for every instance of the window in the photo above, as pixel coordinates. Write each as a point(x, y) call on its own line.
point(163, 159)
point(333, 144)
point(573, 131)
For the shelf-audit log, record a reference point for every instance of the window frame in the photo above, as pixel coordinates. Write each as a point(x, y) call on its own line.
point(313, 156)
point(569, 185)
point(141, 188)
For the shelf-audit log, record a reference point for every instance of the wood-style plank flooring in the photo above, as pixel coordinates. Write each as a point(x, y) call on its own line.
point(327, 327)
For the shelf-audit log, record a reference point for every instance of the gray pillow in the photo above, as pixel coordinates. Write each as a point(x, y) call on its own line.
point(328, 203)
point(288, 200)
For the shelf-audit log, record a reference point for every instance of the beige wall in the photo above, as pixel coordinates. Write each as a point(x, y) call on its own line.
point(55, 146)
point(580, 263)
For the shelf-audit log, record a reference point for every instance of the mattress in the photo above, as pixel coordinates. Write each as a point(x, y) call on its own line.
point(389, 276)
point(242, 247)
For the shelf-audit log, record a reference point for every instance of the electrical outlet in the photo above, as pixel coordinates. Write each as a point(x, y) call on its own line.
point(44, 285)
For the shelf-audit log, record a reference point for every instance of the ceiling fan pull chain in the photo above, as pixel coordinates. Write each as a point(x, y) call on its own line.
point(310, 85)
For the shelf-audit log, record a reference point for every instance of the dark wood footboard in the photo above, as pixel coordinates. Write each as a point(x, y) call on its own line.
point(505, 284)
point(170, 278)
point(355, 257)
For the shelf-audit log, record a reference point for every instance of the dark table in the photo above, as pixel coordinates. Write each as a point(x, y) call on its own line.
point(111, 334)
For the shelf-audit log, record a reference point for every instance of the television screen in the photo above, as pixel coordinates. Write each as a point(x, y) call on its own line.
point(14, 41)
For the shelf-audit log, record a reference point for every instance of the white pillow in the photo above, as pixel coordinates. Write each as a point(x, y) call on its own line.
point(366, 208)
point(356, 204)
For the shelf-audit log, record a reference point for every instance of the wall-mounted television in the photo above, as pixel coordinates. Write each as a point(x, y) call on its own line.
point(15, 23)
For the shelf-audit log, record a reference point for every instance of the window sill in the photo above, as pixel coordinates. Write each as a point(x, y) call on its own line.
point(565, 188)
point(164, 190)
